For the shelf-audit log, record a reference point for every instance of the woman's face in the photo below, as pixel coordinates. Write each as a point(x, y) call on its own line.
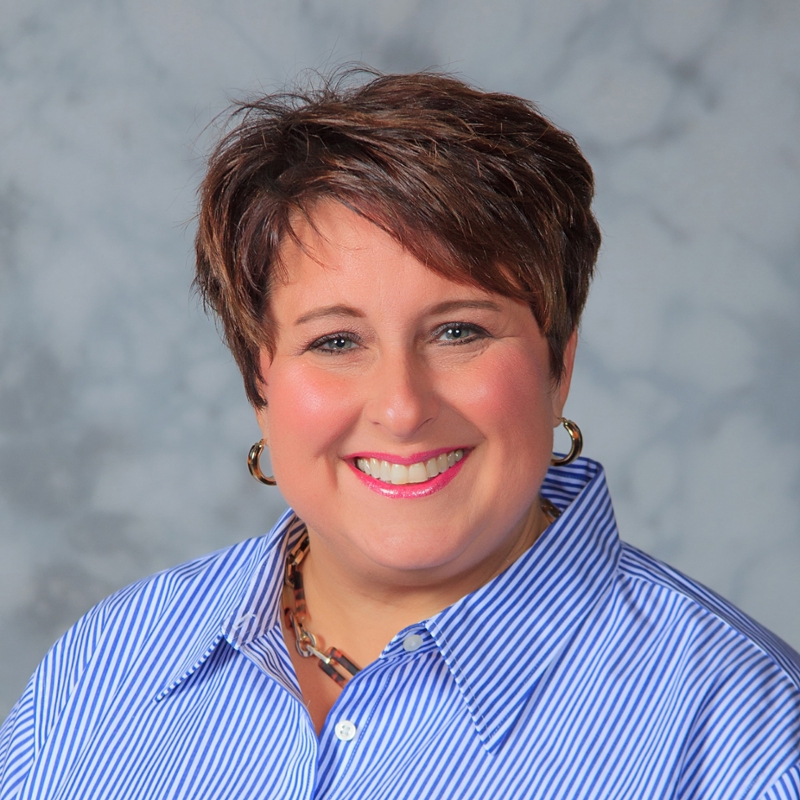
point(381, 365)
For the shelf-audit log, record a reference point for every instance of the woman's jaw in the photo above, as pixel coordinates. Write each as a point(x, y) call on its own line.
point(411, 537)
point(408, 477)
point(443, 529)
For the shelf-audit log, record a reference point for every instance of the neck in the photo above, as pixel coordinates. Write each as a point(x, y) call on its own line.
point(360, 614)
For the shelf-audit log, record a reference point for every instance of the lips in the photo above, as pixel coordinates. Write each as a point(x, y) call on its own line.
point(417, 472)
point(405, 479)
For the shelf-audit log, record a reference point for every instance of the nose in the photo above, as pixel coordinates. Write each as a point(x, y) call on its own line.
point(402, 398)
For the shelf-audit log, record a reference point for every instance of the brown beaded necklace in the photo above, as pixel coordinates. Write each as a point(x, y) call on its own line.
point(334, 663)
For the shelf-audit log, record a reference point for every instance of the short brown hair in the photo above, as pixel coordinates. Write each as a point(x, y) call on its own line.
point(478, 186)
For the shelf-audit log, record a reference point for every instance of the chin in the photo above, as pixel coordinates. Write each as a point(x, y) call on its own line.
point(416, 550)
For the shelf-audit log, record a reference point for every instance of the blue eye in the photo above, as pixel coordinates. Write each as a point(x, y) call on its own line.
point(459, 333)
point(336, 343)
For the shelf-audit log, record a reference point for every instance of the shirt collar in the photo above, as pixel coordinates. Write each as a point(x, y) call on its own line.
point(259, 609)
point(249, 601)
point(500, 639)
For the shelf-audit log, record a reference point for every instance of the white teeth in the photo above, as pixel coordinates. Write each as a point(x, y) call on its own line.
point(417, 473)
point(400, 474)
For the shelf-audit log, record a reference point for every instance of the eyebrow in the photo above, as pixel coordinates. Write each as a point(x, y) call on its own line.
point(441, 308)
point(328, 311)
point(456, 305)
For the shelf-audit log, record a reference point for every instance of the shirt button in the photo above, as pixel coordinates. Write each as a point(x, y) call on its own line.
point(345, 730)
point(412, 642)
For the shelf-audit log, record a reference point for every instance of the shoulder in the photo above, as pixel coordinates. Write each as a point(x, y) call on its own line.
point(133, 611)
point(219, 568)
point(737, 684)
point(653, 584)
point(164, 615)
point(201, 585)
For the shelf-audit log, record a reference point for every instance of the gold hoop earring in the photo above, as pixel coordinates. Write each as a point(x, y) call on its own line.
point(577, 443)
point(253, 459)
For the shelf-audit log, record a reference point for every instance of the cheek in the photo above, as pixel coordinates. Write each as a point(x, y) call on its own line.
point(508, 394)
point(308, 410)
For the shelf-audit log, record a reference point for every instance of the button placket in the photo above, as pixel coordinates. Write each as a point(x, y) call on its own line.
point(358, 705)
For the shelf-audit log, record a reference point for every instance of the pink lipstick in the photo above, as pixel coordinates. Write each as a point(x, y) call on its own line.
point(408, 490)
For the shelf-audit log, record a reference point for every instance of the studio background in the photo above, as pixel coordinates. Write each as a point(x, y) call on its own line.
point(123, 423)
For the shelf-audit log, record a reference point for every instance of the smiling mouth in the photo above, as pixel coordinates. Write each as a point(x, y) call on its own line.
point(400, 474)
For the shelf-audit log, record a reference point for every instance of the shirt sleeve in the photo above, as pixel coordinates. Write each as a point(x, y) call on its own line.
point(787, 787)
point(25, 730)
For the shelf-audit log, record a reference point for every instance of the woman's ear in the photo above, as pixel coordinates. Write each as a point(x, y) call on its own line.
point(263, 422)
point(561, 391)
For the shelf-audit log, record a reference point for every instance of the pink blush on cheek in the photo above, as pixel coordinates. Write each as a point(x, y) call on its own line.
point(512, 392)
point(308, 410)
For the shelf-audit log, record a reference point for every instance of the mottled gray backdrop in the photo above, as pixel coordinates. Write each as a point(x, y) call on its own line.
point(123, 425)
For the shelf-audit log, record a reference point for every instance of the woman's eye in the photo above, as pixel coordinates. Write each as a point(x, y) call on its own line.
point(338, 343)
point(459, 332)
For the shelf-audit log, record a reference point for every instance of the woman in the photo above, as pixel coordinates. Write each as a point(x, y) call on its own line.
point(400, 269)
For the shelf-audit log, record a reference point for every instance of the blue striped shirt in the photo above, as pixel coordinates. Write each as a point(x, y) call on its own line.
point(585, 670)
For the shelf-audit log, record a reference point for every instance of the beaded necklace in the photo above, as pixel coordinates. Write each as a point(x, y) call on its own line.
point(334, 663)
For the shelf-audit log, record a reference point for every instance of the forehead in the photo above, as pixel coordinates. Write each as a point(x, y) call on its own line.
point(331, 235)
point(335, 252)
